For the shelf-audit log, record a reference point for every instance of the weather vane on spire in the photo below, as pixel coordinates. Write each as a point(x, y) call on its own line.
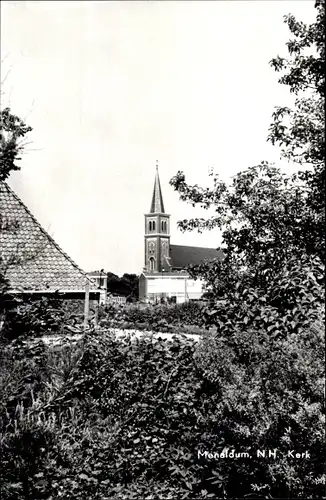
point(156, 164)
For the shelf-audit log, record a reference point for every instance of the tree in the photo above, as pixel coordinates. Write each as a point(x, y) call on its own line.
point(269, 247)
point(126, 286)
point(272, 224)
point(263, 209)
point(12, 133)
point(301, 131)
point(260, 214)
point(270, 325)
point(131, 283)
point(303, 137)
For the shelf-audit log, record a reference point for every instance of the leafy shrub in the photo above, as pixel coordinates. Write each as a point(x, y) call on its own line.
point(35, 317)
point(294, 300)
point(32, 317)
point(126, 418)
point(187, 314)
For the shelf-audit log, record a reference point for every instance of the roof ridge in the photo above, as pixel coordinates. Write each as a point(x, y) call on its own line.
point(46, 234)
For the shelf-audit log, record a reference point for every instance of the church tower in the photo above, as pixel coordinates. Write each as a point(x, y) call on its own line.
point(157, 233)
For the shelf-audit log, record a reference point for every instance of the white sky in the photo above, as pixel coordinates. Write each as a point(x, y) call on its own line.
point(111, 87)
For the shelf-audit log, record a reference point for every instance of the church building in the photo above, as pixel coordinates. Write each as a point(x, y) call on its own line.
point(165, 273)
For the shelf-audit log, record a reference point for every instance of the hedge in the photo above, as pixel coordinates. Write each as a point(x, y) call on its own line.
point(110, 418)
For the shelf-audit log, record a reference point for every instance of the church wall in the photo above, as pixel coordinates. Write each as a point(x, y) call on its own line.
point(157, 247)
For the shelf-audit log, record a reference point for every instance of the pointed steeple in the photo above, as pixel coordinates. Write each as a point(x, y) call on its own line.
point(157, 200)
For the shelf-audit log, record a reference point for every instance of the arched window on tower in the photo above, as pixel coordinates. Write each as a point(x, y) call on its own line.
point(152, 264)
point(151, 247)
point(153, 225)
point(150, 225)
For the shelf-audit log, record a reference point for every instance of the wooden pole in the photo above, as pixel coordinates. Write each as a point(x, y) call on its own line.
point(97, 305)
point(86, 310)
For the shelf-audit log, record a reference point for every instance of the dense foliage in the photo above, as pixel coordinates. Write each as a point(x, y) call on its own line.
point(269, 219)
point(155, 318)
point(301, 131)
point(37, 317)
point(31, 317)
point(126, 285)
point(132, 419)
point(12, 133)
point(272, 277)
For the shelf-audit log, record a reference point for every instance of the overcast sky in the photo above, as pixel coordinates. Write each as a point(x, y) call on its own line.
point(111, 87)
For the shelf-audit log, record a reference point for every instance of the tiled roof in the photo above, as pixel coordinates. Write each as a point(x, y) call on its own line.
point(183, 256)
point(30, 258)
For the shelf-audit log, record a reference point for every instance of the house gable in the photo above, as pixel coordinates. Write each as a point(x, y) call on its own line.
point(30, 259)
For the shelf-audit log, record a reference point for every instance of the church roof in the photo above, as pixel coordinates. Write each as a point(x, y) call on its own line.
point(157, 205)
point(183, 256)
point(30, 259)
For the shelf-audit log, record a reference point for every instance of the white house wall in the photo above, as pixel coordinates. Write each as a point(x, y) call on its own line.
point(195, 288)
point(182, 288)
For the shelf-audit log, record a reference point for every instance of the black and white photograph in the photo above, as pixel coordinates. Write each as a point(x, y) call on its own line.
point(162, 250)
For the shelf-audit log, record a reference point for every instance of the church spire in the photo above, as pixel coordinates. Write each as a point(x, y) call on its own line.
point(157, 200)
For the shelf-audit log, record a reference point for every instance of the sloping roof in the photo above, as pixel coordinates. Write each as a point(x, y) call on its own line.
point(183, 256)
point(157, 205)
point(30, 258)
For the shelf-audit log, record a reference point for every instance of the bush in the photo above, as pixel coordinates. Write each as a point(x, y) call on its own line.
point(187, 314)
point(34, 317)
point(127, 418)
